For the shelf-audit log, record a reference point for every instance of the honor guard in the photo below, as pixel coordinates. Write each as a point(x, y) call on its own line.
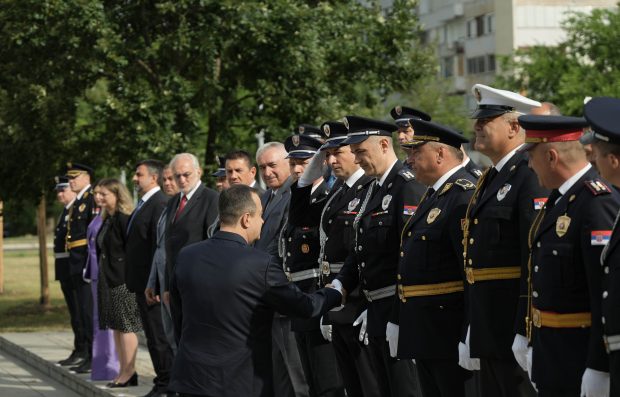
point(429, 314)
point(605, 140)
point(387, 205)
point(81, 213)
point(567, 237)
point(495, 251)
point(299, 242)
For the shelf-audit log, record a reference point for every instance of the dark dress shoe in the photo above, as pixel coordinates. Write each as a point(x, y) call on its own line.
point(83, 368)
point(133, 381)
point(74, 359)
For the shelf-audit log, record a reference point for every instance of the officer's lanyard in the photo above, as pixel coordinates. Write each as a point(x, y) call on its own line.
point(472, 202)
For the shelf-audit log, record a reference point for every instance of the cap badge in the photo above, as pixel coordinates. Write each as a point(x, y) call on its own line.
point(295, 140)
point(503, 192)
point(561, 225)
point(57, 180)
point(345, 122)
point(353, 203)
point(301, 129)
point(399, 110)
point(432, 215)
point(69, 165)
point(477, 94)
point(386, 201)
point(305, 248)
point(326, 130)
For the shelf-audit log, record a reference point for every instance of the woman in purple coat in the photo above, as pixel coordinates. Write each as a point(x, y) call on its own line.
point(105, 364)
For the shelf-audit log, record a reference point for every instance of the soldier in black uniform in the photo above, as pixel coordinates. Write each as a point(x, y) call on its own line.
point(335, 215)
point(566, 239)
point(496, 253)
point(380, 219)
point(605, 140)
point(81, 213)
point(221, 182)
point(299, 242)
point(428, 318)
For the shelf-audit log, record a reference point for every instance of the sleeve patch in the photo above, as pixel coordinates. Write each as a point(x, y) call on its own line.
point(465, 184)
point(539, 203)
point(600, 237)
point(406, 174)
point(597, 187)
point(409, 209)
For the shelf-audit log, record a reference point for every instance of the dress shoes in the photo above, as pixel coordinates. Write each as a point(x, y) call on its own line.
point(133, 381)
point(83, 368)
point(74, 359)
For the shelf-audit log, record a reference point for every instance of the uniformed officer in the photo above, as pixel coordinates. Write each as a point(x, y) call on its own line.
point(373, 265)
point(81, 213)
point(496, 252)
point(299, 242)
point(311, 131)
point(564, 273)
point(221, 182)
point(605, 140)
point(429, 314)
point(335, 216)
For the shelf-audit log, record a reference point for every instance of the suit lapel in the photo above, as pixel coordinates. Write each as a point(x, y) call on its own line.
point(191, 203)
point(499, 181)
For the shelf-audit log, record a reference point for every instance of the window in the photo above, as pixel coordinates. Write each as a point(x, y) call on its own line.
point(480, 26)
point(447, 66)
point(490, 25)
point(471, 28)
point(491, 63)
point(481, 64)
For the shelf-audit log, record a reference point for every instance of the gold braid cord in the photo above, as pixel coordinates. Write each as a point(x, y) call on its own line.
point(530, 243)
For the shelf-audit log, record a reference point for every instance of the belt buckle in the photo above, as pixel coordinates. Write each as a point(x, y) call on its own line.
point(606, 342)
point(367, 295)
point(325, 268)
point(401, 293)
point(536, 318)
point(469, 274)
point(288, 276)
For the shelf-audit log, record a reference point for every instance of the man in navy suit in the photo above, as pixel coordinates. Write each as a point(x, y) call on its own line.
point(228, 291)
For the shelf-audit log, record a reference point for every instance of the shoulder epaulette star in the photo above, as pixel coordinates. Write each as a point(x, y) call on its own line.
point(446, 187)
point(596, 187)
point(406, 174)
point(465, 184)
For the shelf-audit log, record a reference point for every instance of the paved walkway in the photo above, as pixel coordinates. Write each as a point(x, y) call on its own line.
point(41, 350)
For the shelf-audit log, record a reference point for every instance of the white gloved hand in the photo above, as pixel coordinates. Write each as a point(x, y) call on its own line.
point(362, 319)
point(391, 336)
point(519, 349)
point(314, 170)
point(326, 330)
point(528, 364)
point(595, 383)
point(465, 360)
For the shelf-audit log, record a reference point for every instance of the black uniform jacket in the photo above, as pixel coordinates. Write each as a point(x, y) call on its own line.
point(275, 214)
point(229, 291)
point(566, 278)
point(473, 169)
point(610, 260)
point(61, 256)
point(81, 213)
point(111, 252)
point(499, 223)
point(431, 326)
point(142, 241)
point(374, 263)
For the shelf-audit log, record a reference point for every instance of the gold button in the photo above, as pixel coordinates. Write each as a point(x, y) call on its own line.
point(423, 237)
point(409, 234)
point(476, 221)
point(470, 262)
point(402, 254)
point(398, 277)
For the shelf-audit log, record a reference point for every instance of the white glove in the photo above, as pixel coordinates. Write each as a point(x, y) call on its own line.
point(595, 383)
point(362, 319)
point(528, 364)
point(519, 349)
point(326, 330)
point(465, 360)
point(314, 170)
point(391, 336)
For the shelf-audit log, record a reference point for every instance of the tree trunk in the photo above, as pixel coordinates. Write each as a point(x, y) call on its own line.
point(41, 229)
point(1, 247)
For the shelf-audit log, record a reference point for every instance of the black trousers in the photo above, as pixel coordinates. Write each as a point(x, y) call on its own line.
point(396, 378)
point(504, 378)
point(354, 362)
point(441, 378)
point(288, 374)
point(559, 393)
point(70, 295)
point(319, 364)
point(156, 341)
point(79, 299)
point(614, 373)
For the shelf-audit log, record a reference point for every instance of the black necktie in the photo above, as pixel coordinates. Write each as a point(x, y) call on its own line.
point(553, 197)
point(492, 174)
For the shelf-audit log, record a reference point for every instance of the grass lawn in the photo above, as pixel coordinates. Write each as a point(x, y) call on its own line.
point(19, 305)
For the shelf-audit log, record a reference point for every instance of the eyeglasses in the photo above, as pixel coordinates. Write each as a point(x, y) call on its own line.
point(185, 175)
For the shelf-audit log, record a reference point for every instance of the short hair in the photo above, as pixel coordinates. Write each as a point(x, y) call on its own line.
point(236, 201)
point(552, 109)
point(269, 146)
point(191, 157)
point(607, 148)
point(124, 203)
point(240, 155)
point(155, 167)
point(456, 152)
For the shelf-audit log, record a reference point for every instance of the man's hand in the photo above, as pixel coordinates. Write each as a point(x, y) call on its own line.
point(362, 319)
point(595, 383)
point(465, 359)
point(519, 349)
point(337, 285)
point(326, 331)
point(150, 296)
point(391, 336)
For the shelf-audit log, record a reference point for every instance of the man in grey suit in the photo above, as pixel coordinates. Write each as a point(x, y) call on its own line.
point(288, 376)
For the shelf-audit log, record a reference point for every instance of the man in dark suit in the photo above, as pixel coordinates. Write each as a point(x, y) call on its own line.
point(428, 318)
point(567, 237)
point(229, 291)
point(239, 169)
point(189, 215)
point(140, 247)
point(496, 252)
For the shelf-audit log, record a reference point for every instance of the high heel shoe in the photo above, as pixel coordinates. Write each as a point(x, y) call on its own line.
point(133, 381)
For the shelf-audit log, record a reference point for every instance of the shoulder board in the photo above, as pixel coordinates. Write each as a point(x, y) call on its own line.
point(597, 187)
point(465, 184)
point(406, 174)
point(476, 172)
point(446, 187)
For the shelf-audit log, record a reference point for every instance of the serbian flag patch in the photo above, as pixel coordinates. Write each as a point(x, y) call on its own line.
point(600, 237)
point(539, 203)
point(409, 209)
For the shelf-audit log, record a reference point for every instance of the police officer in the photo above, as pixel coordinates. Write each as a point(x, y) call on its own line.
point(335, 216)
point(429, 315)
point(605, 142)
point(81, 213)
point(299, 242)
point(373, 265)
point(566, 238)
point(496, 251)
point(221, 182)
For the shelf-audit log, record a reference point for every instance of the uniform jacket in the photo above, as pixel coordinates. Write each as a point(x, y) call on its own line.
point(229, 291)
point(430, 326)
point(141, 241)
point(158, 267)
point(61, 256)
point(274, 215)
point(374, 263)
point(473, 169)
point(499, 223)
point(81, 213)
point(111, 250)
point(610, 261)
point(566, 278)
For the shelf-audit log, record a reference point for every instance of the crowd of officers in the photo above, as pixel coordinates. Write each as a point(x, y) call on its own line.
point(457, 281)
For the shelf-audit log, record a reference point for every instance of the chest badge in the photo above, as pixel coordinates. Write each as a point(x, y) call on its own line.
point(386, 201)
point(305, 248)
point(501, 193)
point(561, 225)
point(82, 207)
point(353, 203)
point(432, 215)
